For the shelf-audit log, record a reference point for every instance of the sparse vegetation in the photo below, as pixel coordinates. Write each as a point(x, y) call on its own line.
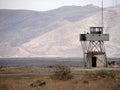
point(74, 84)
point(100, 80)
point(62, 73)
point(102, 74)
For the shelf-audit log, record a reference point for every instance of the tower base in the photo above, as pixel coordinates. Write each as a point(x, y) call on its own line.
point(96, 59)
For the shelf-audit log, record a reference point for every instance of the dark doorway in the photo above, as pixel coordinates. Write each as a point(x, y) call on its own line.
point(94, 61)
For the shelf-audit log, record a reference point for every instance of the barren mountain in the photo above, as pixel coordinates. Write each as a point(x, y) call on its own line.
point(55, 33)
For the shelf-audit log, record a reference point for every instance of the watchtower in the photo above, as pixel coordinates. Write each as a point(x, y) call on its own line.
point(93, 47)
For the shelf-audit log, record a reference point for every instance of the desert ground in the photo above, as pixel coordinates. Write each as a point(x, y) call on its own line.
point(21, 78)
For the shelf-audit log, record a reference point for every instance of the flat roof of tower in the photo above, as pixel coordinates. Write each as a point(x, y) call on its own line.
point(96, 27)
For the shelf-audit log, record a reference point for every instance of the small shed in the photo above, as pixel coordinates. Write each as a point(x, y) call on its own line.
point(95, 59)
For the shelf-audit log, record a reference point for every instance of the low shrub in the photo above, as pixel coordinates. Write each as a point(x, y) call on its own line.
point(102, 74)
point(62, 73)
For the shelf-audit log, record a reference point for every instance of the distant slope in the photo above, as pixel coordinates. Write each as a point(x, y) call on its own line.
point(54, 33)
point(64, 41)
point(74, 13)
point(20, 26)
point(31, 24)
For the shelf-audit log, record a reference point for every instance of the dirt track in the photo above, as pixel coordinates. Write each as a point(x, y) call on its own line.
point(49, 71)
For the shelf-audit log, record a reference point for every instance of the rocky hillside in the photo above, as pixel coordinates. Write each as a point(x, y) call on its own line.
point(54, 33)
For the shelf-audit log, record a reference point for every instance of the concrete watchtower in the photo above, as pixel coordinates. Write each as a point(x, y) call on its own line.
point(93, 47)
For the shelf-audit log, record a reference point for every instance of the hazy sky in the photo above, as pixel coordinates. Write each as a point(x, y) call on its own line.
point(43, 5)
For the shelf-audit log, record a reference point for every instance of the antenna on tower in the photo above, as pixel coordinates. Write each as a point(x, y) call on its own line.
point(102, 24)
point(116, 3)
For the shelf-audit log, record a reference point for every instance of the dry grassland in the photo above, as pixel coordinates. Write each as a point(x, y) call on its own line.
point(79, 82)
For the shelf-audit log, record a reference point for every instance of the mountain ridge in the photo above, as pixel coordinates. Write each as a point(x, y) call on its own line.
point(48, 34)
